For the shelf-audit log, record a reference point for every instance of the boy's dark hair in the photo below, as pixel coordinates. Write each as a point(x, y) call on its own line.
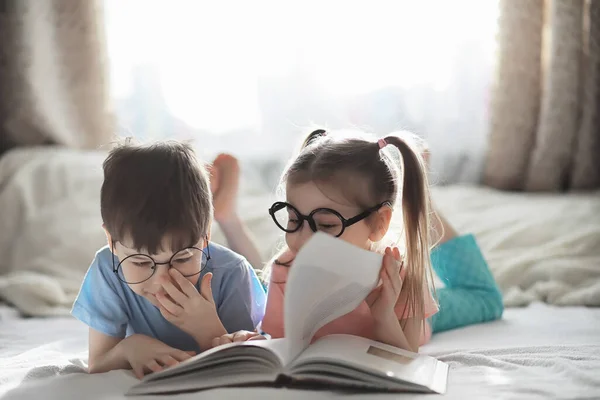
point(155, 191)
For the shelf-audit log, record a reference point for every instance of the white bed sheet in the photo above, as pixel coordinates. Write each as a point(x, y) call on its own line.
point(536, 352)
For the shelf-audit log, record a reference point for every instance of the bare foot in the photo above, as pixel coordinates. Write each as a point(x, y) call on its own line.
point(224, 183)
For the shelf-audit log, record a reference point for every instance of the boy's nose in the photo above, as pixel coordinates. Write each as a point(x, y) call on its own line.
point(161, 275)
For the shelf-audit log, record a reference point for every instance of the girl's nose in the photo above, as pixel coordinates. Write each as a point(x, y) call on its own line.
point(297, 239)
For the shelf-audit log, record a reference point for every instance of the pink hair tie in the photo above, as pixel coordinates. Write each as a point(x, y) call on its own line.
point(382, 143)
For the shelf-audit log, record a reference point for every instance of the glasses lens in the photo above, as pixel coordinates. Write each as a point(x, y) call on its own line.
point(328, 222)
point(190, 261)
point(287, 219)
point(136, 268)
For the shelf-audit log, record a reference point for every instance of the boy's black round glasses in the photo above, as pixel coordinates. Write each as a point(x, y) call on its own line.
point(138, 268)
point(289, 219)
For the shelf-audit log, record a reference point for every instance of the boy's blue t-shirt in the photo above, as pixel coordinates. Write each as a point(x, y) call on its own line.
point(108, 305)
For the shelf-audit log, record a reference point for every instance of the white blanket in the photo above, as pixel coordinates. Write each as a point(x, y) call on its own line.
point(540, 246)
point(50, 227)
point(538, 352)
point(544, 247)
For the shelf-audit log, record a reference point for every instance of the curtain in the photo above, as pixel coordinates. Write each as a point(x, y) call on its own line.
point(53, 86)
point(545, 122)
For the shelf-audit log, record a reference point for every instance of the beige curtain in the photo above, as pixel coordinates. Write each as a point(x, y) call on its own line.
point(545, 124)
point(53, 83)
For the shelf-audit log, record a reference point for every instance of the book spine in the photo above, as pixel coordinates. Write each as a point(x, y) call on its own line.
point(283, 380)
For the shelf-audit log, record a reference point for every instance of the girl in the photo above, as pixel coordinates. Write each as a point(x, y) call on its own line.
point(347, 186)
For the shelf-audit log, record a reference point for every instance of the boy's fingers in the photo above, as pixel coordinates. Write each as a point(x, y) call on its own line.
point(175, 293)
point(180, 355)
point(138, 371)
point(206, 288)
point(153, 366)
point(169, 306)
point(186, 286)
point(168, 360)
point(167, 315)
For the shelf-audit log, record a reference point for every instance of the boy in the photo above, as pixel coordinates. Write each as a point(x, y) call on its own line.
point(160, 291)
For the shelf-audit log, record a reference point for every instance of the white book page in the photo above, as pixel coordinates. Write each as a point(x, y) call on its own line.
point(270, 354)
point(376, 358)
point(329, 278)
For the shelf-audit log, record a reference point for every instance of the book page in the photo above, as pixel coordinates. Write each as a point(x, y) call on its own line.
point(329, 278)
point(267, 355)
point(356, 357)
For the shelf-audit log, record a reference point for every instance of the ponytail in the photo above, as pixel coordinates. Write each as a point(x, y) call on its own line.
point(415, 213)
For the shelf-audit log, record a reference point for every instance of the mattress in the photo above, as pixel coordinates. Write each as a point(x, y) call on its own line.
point(537, 352)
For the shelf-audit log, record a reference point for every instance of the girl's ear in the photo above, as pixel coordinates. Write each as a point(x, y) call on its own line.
point(381, 223)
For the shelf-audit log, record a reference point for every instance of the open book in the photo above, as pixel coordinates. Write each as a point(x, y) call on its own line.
point(329, 279)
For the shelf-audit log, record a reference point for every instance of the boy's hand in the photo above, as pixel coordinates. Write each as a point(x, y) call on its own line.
point(192, 311)
point(239, 336)
point(383, 299)
point(146, 354)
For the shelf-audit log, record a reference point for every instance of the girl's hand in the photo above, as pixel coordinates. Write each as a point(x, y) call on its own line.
point(192, 311)
point(383, 299)
point(239, 336)
point(147, 355)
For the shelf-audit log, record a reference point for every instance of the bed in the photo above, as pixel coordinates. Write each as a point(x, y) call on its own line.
point(536, 352)
point(543, 249)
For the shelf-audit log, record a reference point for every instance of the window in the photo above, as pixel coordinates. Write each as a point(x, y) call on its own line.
point(248, 77)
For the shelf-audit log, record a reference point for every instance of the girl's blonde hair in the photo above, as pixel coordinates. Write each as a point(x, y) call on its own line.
point(366, 173)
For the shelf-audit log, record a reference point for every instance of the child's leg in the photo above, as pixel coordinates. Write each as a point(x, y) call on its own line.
point(471, 294)
point(224, 183)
